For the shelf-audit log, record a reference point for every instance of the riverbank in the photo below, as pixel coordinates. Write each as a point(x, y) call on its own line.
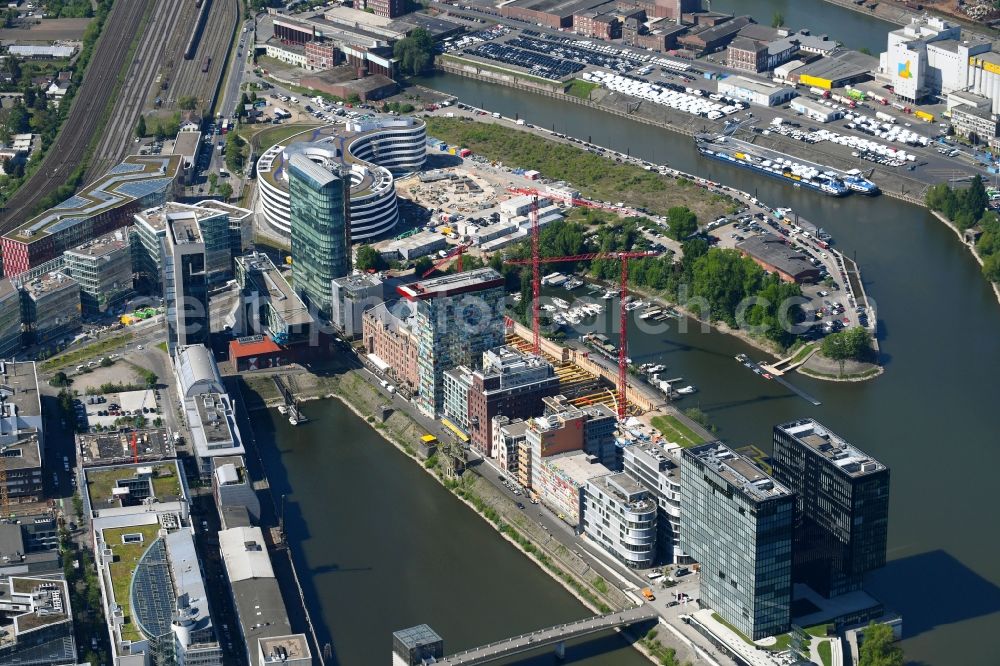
point(972, 248)
point(353, 390)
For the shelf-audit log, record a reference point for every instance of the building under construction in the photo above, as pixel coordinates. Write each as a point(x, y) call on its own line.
point(117, 448)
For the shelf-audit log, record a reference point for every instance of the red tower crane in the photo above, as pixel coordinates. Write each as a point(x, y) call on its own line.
point(623, 257)
point(135, 448)
point(458, 251)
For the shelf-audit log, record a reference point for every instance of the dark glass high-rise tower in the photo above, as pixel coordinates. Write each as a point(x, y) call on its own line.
point(842, 516)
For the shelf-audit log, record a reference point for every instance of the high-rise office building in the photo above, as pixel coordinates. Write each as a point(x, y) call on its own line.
point(842, 512)
point(458, 317)
point(737, 523)
point(320, 229)
point(185, 284)
point(103, 267)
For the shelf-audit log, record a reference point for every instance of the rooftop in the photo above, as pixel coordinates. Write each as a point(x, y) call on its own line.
point(762, 87)
point(128, 484)
point(834, 450)
point(558, 7)
point(135, 178)
point(234, 212)
point(22, 381)
point(212, 411)
point(157, 218)
point(187, 145)
point(266, 277)
point(359, 282)
point(48, 284)
point(108, 448)
point(773, 250)
point(625, 490)
point(738, 471)
point(448, 285)
point(46, 599)
point(101, 247)
point(279, 649)
point(841, 66)
point(576, 467)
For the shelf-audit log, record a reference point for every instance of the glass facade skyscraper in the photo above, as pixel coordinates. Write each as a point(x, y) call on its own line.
point(736, 521)
point(320, 230)
point(842, 513)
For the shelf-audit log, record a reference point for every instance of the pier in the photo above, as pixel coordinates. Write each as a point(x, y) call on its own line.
point(557, 635)
point(295, 415)
point(754, 366)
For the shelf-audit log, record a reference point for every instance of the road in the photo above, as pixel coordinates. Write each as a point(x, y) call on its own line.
point(86, 115)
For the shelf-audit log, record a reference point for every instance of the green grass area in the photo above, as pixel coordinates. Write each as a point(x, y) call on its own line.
point(162, 346)
point(595, 176)
point(677, 432)
point(166, 483)
point(803, 351)
point(86, 352)
point(101, 482)
point(499, 70)
point(580, 88)
point(781, 642)
point(267, 136)
point(126, 558)
point(819, 630)
point(825, 653)
point(867, 374)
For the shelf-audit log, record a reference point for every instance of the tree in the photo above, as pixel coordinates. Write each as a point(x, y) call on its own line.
point(879, 647)
point(106, 362)
point(683, 222)
point(422, 265)
point(976, 199)
point(150, 378)
point(991, 267)
point(368, 258)
point(189, 102)
point(416, 52)
point(59, 379)
point(865, 50)
point(225, 191)
point(777, 20)
point(234, 152)
point(852, 344)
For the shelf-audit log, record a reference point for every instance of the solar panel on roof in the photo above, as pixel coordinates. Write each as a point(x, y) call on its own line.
point(142, 188)
point(125, 167)
point(151, 591)
point(73, 202)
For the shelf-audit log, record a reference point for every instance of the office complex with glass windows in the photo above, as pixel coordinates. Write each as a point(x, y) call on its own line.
point(842, 513)
point(103, 268)
point(185, 284)
point(458, 318)
point(737, 523)
point(320, 229)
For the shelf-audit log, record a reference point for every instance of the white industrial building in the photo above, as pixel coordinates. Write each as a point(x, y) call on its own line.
point(756, 92)
point(930, 58)
point(815, 110)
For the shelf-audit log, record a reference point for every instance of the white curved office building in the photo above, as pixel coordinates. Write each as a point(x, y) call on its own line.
point(373, 149)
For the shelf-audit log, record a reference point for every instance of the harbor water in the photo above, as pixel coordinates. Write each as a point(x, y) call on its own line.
point(931, 417)
point(381, 546)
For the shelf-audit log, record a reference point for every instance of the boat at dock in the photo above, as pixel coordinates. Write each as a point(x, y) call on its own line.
point(792, 170)
point(686, 390)
point(560, 303)
point(654, 312)
point(573, 283)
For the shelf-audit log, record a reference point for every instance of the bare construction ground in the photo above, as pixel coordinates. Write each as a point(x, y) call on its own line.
point(49, 30)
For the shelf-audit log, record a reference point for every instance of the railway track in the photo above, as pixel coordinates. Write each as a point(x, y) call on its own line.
point(69, 149)
point(215, 42)
point(134, 95)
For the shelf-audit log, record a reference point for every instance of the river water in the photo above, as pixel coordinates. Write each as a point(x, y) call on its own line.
point(931, 417)
point(382, 547)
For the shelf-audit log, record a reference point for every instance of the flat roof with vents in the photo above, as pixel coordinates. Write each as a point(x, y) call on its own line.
point(834, 449)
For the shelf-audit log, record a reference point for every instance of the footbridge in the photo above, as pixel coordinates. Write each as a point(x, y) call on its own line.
point(557, 636)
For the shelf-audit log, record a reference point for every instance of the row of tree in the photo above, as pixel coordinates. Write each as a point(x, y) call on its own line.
point(968, 208)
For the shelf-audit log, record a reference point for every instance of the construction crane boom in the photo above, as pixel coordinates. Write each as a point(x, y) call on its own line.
point(624, 258)
point(445, 260)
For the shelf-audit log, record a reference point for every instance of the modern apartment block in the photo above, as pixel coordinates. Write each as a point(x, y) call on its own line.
point(842, 517)
point(51, 308)
point(22, 436)
point(389, 335)
point(36, 621)
point(737, 523)
point(590, 430)
point(458, 318)
point(11, 319)
point(351, 296)
point(508, 437)
point(621, 516)
point(320, 229)
point(103, 268)
point(599, 426)
point(658, 470)
point(510, 383)
point(185, 284)
point(270, 305)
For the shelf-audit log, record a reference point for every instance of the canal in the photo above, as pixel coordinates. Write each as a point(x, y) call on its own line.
point(380, 546)
point(931, 417)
